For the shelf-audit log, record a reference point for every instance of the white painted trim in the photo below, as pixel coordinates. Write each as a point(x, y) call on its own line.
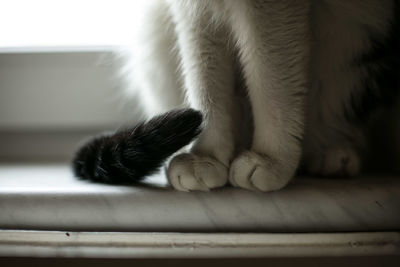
point(195, 245)
point(58, 49)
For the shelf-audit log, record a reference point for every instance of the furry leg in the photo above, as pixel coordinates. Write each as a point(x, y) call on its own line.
point(209, 81)
point(273, 39)
point(346, 72)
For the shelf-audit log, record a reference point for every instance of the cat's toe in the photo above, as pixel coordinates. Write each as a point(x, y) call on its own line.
point(189, 172)
point(342, 162)
point(256, 172)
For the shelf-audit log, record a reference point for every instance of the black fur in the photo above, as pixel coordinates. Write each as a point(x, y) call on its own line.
point(382, 64)
point(129, 155)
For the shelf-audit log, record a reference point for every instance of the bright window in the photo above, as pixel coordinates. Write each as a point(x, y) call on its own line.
point(66, 23)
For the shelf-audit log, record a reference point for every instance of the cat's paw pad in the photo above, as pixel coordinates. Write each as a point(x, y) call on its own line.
point(253, 171)
point(342, 162)
point(188, 172)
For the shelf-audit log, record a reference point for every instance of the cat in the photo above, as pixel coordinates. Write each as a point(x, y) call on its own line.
point(281, 86)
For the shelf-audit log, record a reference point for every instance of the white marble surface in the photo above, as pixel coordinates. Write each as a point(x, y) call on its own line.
point(48, 197)
point(17, 243)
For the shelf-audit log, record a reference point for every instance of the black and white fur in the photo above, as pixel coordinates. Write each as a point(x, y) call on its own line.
point(281, 84)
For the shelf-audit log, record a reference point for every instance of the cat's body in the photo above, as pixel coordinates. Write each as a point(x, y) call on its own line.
point(280, 84)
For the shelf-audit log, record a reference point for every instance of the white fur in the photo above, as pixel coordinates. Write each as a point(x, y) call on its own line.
point(290, 54)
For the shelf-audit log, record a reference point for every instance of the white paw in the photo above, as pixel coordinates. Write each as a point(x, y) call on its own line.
point(337, 162)
point(341, 162)
point(189, 172)
point(255, 172)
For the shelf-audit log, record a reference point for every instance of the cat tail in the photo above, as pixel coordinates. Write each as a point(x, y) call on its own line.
point(127, 156)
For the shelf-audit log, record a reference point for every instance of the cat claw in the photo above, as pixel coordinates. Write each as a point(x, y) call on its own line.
point(337, 162)
point(255, 172)
point(189, 172)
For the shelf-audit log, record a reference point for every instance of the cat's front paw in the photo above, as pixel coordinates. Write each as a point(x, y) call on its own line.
point(188, 172)
point(253, 171)
point(337, 162)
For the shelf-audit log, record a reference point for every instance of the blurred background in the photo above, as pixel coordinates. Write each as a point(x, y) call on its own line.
point(59, 78)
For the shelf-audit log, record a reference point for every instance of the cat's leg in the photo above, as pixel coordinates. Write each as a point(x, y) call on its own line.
point(332, 142)
point(273, 38)
point(209, 80)
point(334, 134)
point(345, 89)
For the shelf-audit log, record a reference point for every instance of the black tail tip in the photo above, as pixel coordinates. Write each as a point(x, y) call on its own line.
point(127, 156)
point(85, 164)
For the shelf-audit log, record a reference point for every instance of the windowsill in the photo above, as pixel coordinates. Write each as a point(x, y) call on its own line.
point(45, 211)
point(195, 245)
point(48, 197)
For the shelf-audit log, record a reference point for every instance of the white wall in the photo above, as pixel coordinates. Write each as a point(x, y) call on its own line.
point(55, 91)
point(50, 102)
